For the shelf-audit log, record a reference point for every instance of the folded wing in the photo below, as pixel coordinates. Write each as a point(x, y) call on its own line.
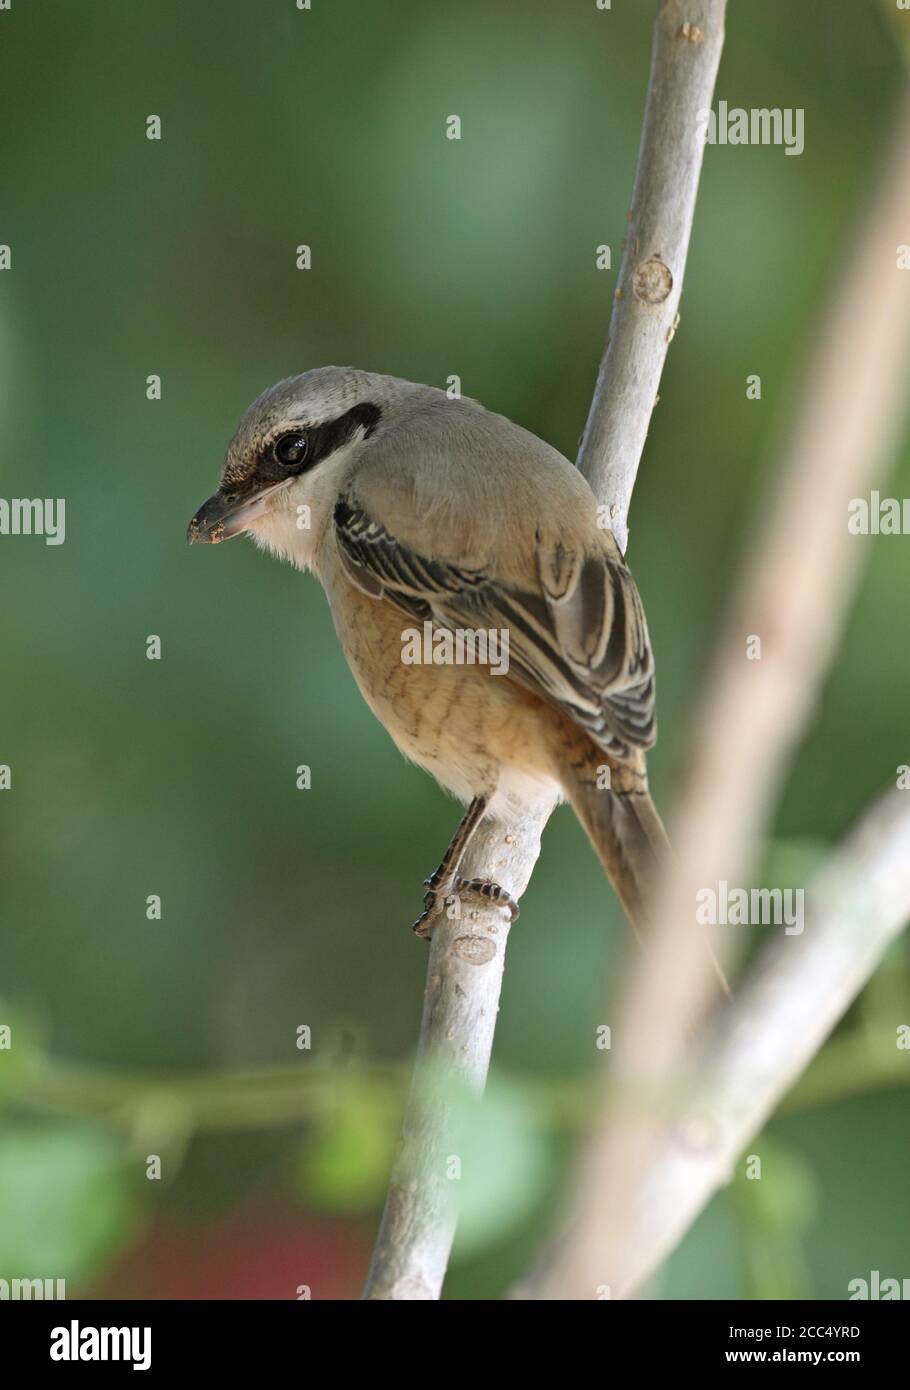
point(577, 631)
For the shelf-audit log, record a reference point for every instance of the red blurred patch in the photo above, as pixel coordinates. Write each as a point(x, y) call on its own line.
point(250, 1254)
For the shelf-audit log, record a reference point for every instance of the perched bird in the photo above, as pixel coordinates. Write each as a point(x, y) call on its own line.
point(425, 515)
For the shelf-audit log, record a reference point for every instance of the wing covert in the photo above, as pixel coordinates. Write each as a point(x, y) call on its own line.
point(578, 638)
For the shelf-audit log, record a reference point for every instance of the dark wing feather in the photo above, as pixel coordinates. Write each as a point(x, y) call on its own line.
point(580, 641)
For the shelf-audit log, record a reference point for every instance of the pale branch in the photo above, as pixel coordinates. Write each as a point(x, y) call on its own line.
point(467, 958)
point(688, 38)
point(461, 1000)
point(756, 1049)
point(793, 596)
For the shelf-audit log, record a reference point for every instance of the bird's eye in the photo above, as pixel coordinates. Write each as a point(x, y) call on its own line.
point(290, 449)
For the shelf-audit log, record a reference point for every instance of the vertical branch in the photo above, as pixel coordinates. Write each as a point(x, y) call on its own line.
point(688, 39)
point(461, 1001)
point(467, 958)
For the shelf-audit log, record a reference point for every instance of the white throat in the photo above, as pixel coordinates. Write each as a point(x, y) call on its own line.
point(295, 524)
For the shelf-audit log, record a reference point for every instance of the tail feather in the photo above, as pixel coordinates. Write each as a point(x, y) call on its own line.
point(627, 833)
point(624, 827)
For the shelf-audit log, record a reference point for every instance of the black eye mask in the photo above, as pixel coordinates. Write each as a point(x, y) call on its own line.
point(297, 451)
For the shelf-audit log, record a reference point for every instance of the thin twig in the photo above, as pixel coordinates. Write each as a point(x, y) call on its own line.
point(466, 960)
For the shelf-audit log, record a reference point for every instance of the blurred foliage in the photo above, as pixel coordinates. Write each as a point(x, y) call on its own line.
point(345, 1165)
point(176, 777)
point(777, 1203)
point(65, 1203)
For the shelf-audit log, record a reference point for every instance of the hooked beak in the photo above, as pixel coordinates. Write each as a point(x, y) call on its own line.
point(223, 515)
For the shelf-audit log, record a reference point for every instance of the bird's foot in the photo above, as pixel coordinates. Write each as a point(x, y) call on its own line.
point(486, 894)
point(456, 894)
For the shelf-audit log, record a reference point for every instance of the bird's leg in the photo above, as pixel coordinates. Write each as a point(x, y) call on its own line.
point(443, 877)
point(445, 883)
point(453, 856)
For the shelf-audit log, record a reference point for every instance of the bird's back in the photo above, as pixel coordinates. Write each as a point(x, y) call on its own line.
point(449, 477)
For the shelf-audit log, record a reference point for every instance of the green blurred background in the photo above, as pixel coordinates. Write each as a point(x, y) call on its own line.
point(177, 777)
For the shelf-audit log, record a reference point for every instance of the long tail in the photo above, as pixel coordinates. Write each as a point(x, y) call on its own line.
point(623, 826)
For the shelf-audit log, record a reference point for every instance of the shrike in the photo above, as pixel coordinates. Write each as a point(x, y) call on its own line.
point(427, 515)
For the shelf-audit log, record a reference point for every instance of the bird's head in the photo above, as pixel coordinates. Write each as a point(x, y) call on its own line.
point(288, 452)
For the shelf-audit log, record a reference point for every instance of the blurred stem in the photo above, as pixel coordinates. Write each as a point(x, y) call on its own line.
point(253, 1099)
point(864, 1060)
point(637, 1196)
